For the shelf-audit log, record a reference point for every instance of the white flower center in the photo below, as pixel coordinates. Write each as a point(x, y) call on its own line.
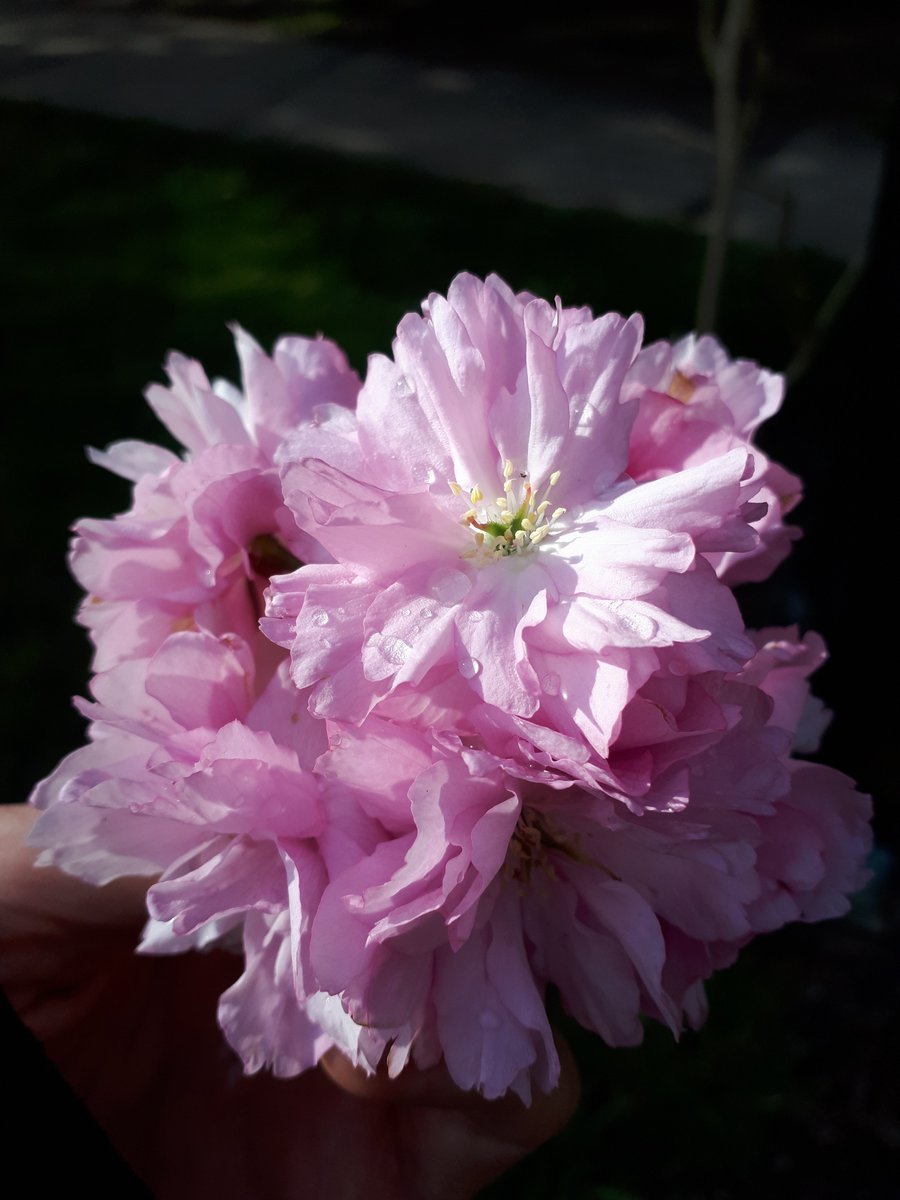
point(513, 522)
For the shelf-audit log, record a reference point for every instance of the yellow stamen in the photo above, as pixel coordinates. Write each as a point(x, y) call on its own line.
point(681, 388)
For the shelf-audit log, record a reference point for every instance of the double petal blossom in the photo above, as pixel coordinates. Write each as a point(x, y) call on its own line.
point(694, 404)
point(508, 879)
point(485, 531)
point(500, 729)
point(205, 533)
point(211, 795)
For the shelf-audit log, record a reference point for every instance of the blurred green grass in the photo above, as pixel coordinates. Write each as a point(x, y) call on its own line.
point(123, 240)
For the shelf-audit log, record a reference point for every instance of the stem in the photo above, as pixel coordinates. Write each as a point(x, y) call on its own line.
point(728, 130)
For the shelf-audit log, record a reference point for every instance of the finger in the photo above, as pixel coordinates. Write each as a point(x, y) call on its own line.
point(31, 896)
point(510, 1120)
point(453, 1142)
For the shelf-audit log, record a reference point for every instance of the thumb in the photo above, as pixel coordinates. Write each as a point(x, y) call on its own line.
point(38, 900)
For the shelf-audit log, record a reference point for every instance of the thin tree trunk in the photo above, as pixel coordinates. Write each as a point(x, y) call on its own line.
point(724, 58)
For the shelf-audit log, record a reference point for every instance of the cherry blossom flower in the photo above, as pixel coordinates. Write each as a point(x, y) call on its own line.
point(501, 728)
point(694, 404)
point(508, 878)
point(484, 528)
point(203, 535)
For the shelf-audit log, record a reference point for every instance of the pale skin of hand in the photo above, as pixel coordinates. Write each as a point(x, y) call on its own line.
point(136, 1039)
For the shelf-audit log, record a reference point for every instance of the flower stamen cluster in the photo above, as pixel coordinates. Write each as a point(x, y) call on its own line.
point(535, 838)
point(515, 521)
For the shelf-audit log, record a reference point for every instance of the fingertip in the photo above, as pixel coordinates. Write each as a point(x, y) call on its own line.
point(527, 1125)
point(46, 893)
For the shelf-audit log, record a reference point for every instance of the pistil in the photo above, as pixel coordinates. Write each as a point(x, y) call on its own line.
point(515, 521)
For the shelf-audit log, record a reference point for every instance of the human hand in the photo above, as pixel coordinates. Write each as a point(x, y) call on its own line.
point(136, 1038)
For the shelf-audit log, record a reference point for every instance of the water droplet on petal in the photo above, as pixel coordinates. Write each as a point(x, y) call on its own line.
point(384, 654)
point(335, 740)
point(406, 611)
point(643, 627)
point(403, 387)
point(427, 614)
point(488, 1019)
point(550, 683)
point(449, 586)
point(469, 667)
point(423, 473)
point(319, 616)
point(476, 615)
point(395, 650)
point(209, 578)
point(322, 698)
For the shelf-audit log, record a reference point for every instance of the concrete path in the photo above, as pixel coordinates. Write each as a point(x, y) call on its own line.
point(560, 147)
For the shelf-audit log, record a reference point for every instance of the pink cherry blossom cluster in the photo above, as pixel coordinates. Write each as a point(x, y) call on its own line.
point(427, 694)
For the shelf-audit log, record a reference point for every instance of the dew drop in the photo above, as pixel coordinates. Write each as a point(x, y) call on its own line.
point(448, 586)
point(488, 1019)
point(395, 650)
point(335, 740)
point(383, 654)
point(427, 614)
point(550, 683)
point(643, 627)
point(319, 617)
point(469, 667)
point(403, 387)
point(423, 472)
point(476, 615)
point(405, 611)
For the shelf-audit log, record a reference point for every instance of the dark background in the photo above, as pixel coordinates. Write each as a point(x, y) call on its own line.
point(122, 239)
